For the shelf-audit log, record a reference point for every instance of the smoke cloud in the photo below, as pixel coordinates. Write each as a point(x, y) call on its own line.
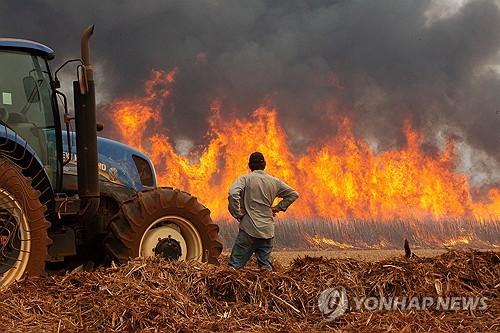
point(380, 62)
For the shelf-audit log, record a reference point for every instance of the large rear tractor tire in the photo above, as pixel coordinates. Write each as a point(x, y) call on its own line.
point(23, 227)
point(165, 222)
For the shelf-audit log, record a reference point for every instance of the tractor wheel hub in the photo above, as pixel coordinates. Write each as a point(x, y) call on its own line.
point(168, 248)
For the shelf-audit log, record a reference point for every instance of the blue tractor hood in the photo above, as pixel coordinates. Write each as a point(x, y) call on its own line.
point(118, 163)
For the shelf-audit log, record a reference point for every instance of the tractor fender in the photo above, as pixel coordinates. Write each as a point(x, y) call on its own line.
point(16, 149)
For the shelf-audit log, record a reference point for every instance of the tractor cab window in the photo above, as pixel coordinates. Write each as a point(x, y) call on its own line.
point(26, 104)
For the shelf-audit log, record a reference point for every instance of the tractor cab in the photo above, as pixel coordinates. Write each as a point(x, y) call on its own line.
point(30, 123)
point(27, 103)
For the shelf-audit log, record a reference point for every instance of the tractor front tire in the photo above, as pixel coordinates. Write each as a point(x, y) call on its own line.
point(23, 228)
point(163, 221)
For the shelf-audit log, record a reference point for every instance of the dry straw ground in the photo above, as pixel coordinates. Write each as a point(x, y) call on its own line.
point(156, 295)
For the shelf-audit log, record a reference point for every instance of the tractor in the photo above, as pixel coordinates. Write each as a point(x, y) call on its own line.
point(68, 196)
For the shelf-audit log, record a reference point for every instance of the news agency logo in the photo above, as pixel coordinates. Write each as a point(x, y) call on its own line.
point(333, 303)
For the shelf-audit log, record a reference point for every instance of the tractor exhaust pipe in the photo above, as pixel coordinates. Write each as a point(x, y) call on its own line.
point(87, 33)
point(86, 133)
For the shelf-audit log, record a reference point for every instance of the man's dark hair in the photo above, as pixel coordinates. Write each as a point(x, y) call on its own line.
point(256, 161)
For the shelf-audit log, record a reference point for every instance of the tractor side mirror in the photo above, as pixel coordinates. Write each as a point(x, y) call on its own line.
point(31, 89)
point(82, 80)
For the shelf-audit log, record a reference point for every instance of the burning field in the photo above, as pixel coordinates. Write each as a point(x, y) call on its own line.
point(351, 195)
point(372, 234)
point(158, 296)
point(341, 177)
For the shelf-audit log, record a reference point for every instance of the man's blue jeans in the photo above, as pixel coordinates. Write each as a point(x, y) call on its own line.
point(245, 245)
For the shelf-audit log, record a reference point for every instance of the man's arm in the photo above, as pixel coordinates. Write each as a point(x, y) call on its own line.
point(288, 194)
point(234, 198)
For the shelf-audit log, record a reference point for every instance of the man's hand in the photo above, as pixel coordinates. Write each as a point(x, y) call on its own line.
point(275, 210)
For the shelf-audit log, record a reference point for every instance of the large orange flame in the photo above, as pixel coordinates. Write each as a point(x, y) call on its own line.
point(339, 178)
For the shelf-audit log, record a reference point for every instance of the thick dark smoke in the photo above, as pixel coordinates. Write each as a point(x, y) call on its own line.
point(380, 61)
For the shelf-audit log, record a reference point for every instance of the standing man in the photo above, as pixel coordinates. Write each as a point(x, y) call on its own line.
point(251, 200)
